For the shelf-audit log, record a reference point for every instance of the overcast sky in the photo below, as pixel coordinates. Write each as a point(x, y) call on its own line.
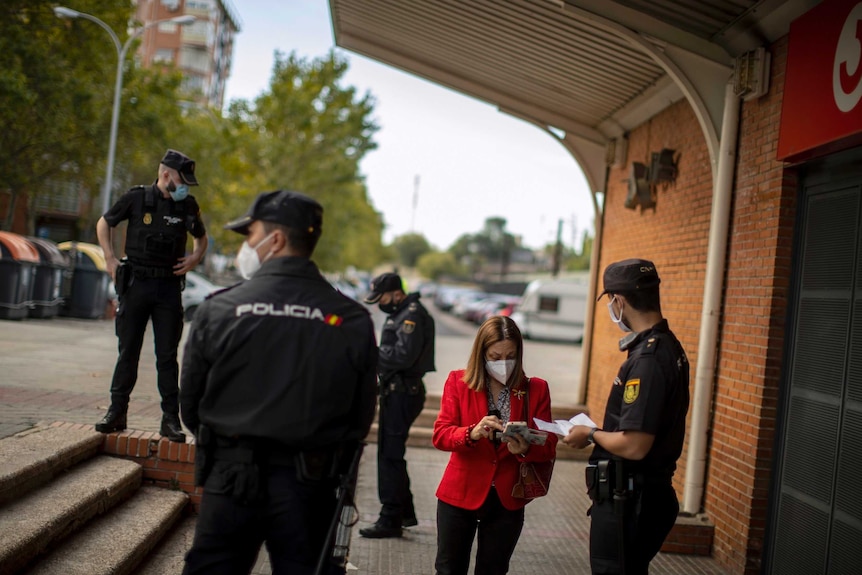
point(472, 161)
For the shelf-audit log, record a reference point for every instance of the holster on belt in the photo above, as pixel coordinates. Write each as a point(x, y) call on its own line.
point(388, 383)
point(318, 465)
point(123, 277)
point(204, 459)
point(398, 383)
point(598, 479)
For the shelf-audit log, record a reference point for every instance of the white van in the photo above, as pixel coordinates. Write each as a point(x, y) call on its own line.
point(553, 309)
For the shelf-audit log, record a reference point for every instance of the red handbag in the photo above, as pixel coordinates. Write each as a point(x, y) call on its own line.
point(534, 478)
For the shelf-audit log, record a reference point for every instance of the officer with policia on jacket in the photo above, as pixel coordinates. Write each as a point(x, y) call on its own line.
point(149, 282)
point(279, 383)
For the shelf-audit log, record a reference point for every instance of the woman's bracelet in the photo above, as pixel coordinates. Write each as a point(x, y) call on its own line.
point(469, 441)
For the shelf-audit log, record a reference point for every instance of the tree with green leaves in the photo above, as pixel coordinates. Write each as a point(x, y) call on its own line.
point(435, 265)
point(54, 94)
point(307, 133)
point(410, 247)
point(57, 86)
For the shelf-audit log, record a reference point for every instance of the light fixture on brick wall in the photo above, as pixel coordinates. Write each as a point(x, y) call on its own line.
point(663, 167)
point(644, 180)
point(641, 191)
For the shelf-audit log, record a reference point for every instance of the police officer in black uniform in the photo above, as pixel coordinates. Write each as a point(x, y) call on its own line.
point(149, 283)
point(629, 477)
point(406, 355)
point(279, 382)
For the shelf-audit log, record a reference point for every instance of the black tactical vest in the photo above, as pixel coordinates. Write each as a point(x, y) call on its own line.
point(157, 230)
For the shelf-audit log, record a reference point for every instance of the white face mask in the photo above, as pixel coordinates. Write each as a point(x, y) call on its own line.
point(500, 369)
point(247, 260)
point(618, 320)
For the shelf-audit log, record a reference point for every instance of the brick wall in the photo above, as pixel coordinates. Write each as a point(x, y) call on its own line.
point(674, 236)
point(751, 328)
point(752, 332)
point(166, 463)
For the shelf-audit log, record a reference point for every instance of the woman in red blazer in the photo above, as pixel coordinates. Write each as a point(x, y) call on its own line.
point(476, 489)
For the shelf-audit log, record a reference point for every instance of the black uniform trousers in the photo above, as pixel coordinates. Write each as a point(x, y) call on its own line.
point(291, 517)
point(398, 411)
point(499, 530)
point(650, 513)
point(159, 299)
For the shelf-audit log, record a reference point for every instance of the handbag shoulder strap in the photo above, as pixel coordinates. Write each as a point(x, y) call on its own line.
point(527, 403)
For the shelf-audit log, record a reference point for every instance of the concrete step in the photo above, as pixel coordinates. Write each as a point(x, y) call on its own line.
point(118, 542)
point(40, 520)
point(168, 557)
point(33, 457)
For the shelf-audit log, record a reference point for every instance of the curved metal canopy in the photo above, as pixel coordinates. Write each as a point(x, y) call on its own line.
point(593, 69)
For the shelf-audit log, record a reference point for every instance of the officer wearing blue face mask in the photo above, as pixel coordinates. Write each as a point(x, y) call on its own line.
point(634, 504)
point(149, 282)
point(406, 354)
point(279, 377)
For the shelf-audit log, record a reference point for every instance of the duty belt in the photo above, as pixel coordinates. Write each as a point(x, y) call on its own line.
point(401, 384)
point(152, 272)
point(253, 451)
point(605, 476)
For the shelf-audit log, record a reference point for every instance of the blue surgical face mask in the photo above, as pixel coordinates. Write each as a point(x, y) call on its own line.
point(618, 320)
point(180, 193)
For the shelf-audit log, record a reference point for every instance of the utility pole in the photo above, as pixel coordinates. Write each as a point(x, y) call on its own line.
point(415, 203)
point(558, 249)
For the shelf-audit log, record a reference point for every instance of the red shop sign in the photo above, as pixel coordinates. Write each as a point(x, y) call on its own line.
point(822, 108)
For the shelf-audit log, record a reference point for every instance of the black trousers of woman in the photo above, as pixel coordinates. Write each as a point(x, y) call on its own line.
point(498, 529)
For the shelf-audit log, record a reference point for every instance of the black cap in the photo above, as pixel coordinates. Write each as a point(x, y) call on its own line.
point(381, 284)
point(182, 164)
point(290, 209)
point(629, 276)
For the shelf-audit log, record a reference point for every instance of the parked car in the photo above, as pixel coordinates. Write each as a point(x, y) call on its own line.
point(498, 305)
point(346, 288)
point(446, 296)
point(198, 287)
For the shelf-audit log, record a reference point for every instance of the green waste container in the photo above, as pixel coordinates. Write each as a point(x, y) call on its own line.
point(85, 291)
point(47, 295)
point(18, 260)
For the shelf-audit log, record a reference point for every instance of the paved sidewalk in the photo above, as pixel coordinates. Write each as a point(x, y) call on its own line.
point(60, 369)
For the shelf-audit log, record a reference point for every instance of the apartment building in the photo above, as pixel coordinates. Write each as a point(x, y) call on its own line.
point(202, 50)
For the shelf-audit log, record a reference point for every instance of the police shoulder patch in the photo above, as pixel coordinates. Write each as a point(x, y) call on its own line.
point(631, 391)
point(408, 326)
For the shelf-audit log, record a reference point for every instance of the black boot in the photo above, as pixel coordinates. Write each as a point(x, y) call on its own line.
point(172, 429)
point(114, 420)
point(381, 530)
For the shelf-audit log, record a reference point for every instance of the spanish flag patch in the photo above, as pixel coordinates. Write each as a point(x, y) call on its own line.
point(333, 319)
point(630, 393)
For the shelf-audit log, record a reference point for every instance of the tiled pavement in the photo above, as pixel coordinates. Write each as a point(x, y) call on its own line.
point(59, 370)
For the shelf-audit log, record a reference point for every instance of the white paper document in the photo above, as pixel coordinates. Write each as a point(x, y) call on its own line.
point(562, 426)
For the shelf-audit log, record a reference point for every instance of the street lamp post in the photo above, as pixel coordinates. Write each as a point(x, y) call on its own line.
point(63, 12)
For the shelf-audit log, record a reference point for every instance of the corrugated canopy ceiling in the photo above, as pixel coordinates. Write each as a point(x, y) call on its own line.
point(592, 68)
